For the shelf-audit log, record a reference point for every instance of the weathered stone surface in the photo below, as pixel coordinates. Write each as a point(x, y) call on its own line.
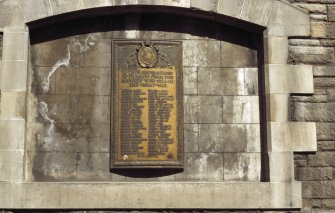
point(328, 203)
point(11, 15)
point(322, 159)
point(42, 8)
point(190, 80)
point(318, 30)
point(278, 107)
point(325, 131)
point(318, 55)
point(311, 203)
point(226, 81)
point(241, 166)
point(209, 5)
point(282, 162)
point(315, 174)
point(202, 53)
point(318, 189)
point(202, 109)
point(313, 8)
point(282, 14)
point(230, 7)
point(325, 71)
point(319, 112)
point(331, 12)
point(97, 3)
point(229, 138)
point(240, 109)
point(324, 82)
point(257, 11)
point(203, 166)
point(326, 146)
point(191, 137)
point(330, 30)
point(247, 57)
point(59, 6)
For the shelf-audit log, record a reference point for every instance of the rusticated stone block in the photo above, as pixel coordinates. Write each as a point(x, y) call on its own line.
point(318, 189)
point(322, 159)
point(318, 30)
point(326, 146)
point(317, 55)
point(331, 12)
point(325, 131)
point(328, 203)
point(317, 112)
point(304, 174)
point(330, 30)
point(324, 71)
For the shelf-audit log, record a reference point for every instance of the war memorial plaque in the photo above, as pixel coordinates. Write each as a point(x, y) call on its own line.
point(147, 104)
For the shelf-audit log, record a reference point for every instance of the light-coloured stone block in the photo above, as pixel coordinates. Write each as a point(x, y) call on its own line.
point(97, 3)
point(208, 5)
point(190, 78)
point(276, 50)
point(153, 195)
point(11, 165)
point(12, 134)
point(61, 6)
point(289, 79)
point(230, 7)
point(178, 3)
point(13, 75)
point(293, 136)
point(241, 109)
point(257, 11)
point(10, 15)
point(41, 9)
point(230, 52)
point(12, 105)
point(287, 20)
point(15, 45)
point(281, 166)
point(278, 107)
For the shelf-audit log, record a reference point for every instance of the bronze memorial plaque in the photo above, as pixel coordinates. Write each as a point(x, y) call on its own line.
point(147, 104)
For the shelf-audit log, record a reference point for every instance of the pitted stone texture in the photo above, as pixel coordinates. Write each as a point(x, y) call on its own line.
point(202, 109)
point(257, 11)
point(308, 55)
point(242, 166)
point(246, 56)
point(202, 53)
point(204, 166)
point(229, 138)
point(241, 109)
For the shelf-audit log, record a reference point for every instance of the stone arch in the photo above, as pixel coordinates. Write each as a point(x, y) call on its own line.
point(279, 21)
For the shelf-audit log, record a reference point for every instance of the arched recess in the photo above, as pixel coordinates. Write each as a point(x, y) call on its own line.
point(275, 19)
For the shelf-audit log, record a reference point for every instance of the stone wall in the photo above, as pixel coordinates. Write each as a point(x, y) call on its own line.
point(317, 171)
point(68, 130)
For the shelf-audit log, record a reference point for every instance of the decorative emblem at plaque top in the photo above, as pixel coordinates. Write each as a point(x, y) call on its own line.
point(147, 108)
point(147, 55)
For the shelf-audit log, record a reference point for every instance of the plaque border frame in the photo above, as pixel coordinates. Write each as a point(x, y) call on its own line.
point(166, 164)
